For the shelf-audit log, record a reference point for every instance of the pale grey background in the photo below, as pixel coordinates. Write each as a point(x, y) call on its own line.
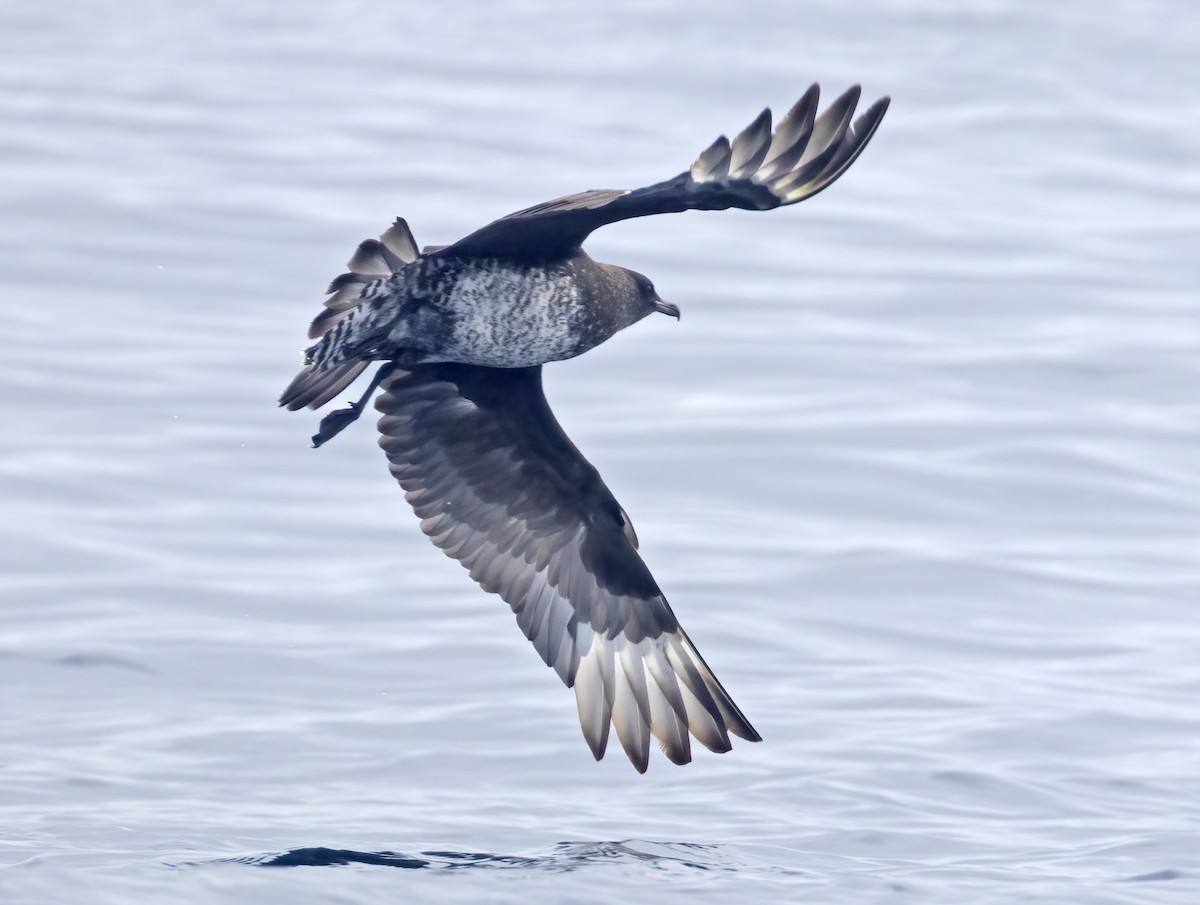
point(918, 469)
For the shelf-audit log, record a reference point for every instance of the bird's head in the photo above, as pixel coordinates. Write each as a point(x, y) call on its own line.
point(648, 297)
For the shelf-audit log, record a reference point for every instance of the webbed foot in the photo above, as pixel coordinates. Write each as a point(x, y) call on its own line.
point(336, 422)
point(340, 419)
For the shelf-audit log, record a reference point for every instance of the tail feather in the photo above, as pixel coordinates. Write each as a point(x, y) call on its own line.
point(313, 388)
point(326, 372)
point(400, 242)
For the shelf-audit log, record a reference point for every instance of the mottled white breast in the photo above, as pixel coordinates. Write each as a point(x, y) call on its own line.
point(496, 315)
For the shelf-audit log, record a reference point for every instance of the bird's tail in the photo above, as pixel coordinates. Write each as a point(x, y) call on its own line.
point(328, 368)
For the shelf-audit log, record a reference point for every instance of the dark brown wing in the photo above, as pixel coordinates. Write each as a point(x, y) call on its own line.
point(758, 170)
point(499, 487)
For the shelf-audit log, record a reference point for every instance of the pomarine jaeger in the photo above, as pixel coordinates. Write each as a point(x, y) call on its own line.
point(463, 331)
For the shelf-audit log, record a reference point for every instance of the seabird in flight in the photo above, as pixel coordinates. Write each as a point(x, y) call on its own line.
point(463, 331)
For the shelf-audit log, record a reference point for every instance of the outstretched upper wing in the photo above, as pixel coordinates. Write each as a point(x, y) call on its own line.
point(758, 170)
point(499, 487)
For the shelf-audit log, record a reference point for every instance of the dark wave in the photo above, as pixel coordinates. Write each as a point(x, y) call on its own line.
point(563, 856)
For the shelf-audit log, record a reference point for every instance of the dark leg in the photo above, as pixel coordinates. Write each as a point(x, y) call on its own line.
point(339, 419)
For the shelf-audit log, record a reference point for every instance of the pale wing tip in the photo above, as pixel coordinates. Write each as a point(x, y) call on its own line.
point(750, 147)
point(743, 730)
point(641, 763)
point(812, 175)
point(809, 99)
point(678, 756)
point(806, 153)
point(713, 163)
point(676, 698)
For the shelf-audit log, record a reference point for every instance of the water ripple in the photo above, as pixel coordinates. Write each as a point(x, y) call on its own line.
point(562, 857)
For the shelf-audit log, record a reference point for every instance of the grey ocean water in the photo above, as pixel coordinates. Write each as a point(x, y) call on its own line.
point(919, 468)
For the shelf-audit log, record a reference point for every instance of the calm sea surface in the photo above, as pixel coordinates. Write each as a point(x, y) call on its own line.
point(919, 468)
